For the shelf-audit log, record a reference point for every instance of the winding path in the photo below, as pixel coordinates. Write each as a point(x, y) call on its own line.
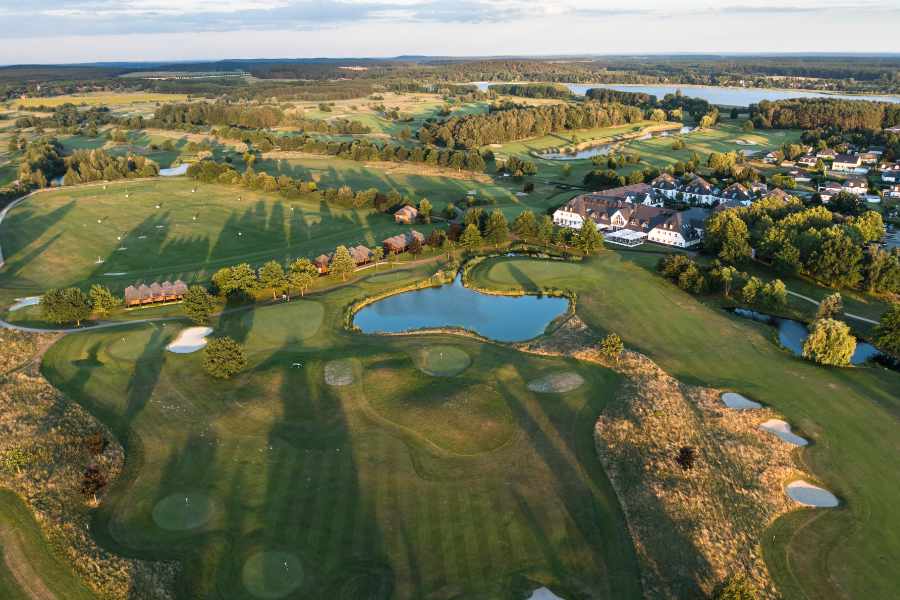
point(846, 314)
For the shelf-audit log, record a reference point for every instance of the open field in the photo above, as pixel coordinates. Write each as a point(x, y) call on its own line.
point(850, 414)
point(399, 484)
point(100, 99)
point(54, 238)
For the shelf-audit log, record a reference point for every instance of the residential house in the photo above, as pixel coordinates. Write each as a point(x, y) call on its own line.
point(846, 163)
point(699, 190)
point(808, 161)
point(826, 154)
point(407, 215)
point(773, 157)
point(893, 191)
point(856, 185)
point(829, 190)
point(399, 243)
point(759, 188)
point(361, 255)
point(799, 176)
point(738, 193)
point(870, 157)
point(890, 172)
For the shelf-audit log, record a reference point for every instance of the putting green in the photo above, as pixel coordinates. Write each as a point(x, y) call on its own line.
point(363, 580)
point(272, 574)
point(442, 361)
point(182, 510)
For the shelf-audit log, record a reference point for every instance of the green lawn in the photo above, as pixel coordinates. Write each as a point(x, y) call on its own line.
point(55, 238)
point(25, 555)
point(400, 484)
point(850, 414)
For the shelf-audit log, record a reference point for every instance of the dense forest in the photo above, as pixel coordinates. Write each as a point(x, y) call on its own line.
point(817, 113)
point(606, 95)
point(472, 131)
point(84, 166)
point(531, 90)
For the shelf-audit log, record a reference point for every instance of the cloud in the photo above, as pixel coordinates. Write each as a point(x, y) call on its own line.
point(46, 18)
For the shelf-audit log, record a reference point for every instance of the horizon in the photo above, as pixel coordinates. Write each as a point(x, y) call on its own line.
point(100, 31)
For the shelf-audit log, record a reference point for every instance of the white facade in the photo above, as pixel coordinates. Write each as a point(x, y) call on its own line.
point(564, 218)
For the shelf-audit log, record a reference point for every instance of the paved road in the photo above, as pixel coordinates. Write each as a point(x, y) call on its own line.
point(846, 314)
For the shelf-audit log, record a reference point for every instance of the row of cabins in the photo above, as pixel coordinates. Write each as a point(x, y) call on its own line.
point(624, 221)
point(700, 191)
point(363, 255)
point(155, 292)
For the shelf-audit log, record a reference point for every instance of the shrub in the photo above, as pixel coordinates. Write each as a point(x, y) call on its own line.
point(198, 304)
point(612, 347)
point(829, 343)
point(223, 358)
point(736, 588)
point(686, 457)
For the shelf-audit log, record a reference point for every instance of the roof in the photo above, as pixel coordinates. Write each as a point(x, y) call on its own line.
point(664, 182)
point(698, 186)
point(846, 158)
point(736, 191)
point(408, 211)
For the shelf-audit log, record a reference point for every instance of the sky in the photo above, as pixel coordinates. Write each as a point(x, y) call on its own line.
point(67, 31)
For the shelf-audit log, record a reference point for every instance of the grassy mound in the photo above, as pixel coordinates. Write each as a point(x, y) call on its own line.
point(272, 574)
point(557, 383)
point(442, 360)
point(183, 511)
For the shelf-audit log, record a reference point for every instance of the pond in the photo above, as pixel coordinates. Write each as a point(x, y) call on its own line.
point(603, 149)
point(501, 318)
point(727, 96)
point(792, 334)
point(174, 171)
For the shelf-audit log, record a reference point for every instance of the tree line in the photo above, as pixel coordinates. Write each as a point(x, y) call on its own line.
point(83, 166)
point(531, 90)
point(498, 126)
point(822, 113)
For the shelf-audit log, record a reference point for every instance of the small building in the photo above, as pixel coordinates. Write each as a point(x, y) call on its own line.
point(890, 172)
point(665, 185)
point(399, 243)
point(626, 237)
point(361, 255)
point(132, 296)
point(406, 215)
point(829, 190)
point(738, 193)
point(826, 154)
point(892, 192)
point(699, 190)
point(321, 262)
point(809, 161)
point(856, 185)
point(155, 292)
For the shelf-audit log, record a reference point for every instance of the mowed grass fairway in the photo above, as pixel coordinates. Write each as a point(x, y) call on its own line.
point(850, 414)
point(55, 238)
point(394, 484)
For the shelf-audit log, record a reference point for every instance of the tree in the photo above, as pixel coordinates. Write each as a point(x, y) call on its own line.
point(747, 126)
point(102, 300)
point(588, 239)
point(342, 264)
point(887, 334)
point(198, 304)
point(425, 210)
point(303, 274)
point(736, 588)
point(727, 237)
point(377, 255)
point(751, 290)
point(471, 237)
point(272, 276)
point(237, 279)
point(686, 458)
point(13, 145)
point(726, 274)
point(496, 230)
point(611, 347)
point(774, 293)
point(831, 307)
point(69, 305)
point(829, 343)
point(525, 225)
point(223, 358)
point(869, 226)
point(545, 230)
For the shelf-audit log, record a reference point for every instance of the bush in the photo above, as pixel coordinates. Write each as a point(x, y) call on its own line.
point(223, 358)
point(198, 304)
point(829, 343)
point(612, 347)
point(736, 588)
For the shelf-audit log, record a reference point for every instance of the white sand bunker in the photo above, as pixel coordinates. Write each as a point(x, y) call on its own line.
point(739, 402)
point(340, 372)
point(23, 302)
point(807, 494)
point(543, 593)
point(783, 430)
point(557, 383)
point(189, 340)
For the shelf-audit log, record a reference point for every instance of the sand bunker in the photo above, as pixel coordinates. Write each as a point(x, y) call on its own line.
point(340, 372)
point(807, 494)
point(783, 430)
point(182, 510)
point(23, 302)
point(272, 574)
point(739, 402)
point(190, 340)
point(557, 383)
point(543, 593)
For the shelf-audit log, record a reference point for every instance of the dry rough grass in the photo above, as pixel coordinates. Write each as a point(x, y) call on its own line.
point(694, 528)
point(19, 348)
point(43, 457)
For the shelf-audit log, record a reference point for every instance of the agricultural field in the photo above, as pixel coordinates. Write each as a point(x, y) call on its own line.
point(112, 100)
point(372, 470)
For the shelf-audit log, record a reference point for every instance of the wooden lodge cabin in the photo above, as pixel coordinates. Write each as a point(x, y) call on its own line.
point(399, 243)
point(406, 215)
point(155, 292)
point(361, 255)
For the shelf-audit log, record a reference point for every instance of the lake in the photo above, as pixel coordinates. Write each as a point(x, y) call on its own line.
point(501, 318)
point(726, 96)
point(792, 334)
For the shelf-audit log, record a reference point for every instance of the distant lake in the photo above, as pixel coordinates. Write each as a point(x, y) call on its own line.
point(501, 318)
point(726, 96)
